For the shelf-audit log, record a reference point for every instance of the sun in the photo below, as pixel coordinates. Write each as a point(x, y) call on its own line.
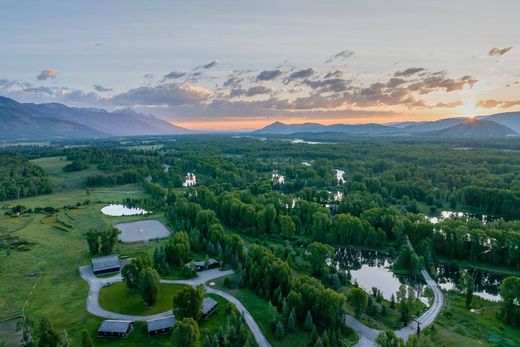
point(468, 109)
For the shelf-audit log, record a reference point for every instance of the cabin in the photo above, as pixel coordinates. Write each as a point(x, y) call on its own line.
point(160, 326)
point(115, 328)
point(106, 264)
point(190, 180)
point(209, 305)
point(203, 265)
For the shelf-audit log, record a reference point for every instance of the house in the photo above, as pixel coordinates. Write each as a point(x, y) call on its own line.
point(277, 178)
point(106, 264)
point(209, 305)
point(190, 180)
point(206, 265)
point(115, 328)
point(160, 326)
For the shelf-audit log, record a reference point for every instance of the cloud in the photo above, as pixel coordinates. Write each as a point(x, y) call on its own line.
point(268, 75)
point(253, 91)
point(394, 82)
point(210, 64)
point(408, 72)
point(300, 74)
point(334, 85)
point(499, 51)
point(341, 55)
point(166, 94)
point(490, 103)
point(448, 104)
point(100, 88)
point(46, 74)
point(174, 75)
point(334, 74)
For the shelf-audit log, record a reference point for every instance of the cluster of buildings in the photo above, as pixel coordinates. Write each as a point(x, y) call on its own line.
point(158, 326)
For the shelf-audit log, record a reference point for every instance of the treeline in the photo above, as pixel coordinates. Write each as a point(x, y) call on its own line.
point(19, 178)
point(496, 242)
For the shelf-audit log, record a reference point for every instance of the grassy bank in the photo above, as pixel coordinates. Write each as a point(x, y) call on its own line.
point(458, 327)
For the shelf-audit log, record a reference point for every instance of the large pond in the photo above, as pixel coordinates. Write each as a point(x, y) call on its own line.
point(373, 269)
point(116, 210)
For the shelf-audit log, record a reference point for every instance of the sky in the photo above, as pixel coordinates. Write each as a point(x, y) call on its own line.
point(220, 65)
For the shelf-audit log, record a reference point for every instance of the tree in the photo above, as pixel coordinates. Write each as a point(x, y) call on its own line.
point(86, 340)
point(388, 338)
point(108, 240)
point(358, 298)
point(92, 236)
point(510, 292)
point(148, 285)
point(287, 227)
point(291, 322)
point(280, 331)
point(186, 333)
point(188, 302)
point(48, 335)
point(466, 284)
point(309, 324)
point(318, 255)
point(131, 271)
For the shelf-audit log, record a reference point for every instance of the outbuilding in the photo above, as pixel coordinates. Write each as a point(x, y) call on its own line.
point(206, 265)
point(160, 326)
point(106, 264)
point(115, 328)
point(209, 305)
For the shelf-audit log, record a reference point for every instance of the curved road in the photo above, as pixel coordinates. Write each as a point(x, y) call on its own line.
point(367, 335)
point(95, 284)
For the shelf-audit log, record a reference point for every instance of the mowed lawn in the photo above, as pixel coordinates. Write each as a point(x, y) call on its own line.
point(118, 298)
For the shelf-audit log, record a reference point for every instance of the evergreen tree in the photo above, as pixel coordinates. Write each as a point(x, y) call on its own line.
point(309, 324)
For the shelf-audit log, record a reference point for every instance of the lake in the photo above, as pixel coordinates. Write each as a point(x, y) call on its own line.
point(117, 210)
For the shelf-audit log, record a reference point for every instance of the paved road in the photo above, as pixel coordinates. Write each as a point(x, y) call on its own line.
point(367, 335)
point(95, 284)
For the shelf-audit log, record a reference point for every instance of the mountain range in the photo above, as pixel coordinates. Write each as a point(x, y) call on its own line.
point(492, 126)
point(53, 120)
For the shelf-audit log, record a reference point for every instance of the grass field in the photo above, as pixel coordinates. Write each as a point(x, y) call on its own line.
point(64, 180)
point(458, 327)
point(118, 298)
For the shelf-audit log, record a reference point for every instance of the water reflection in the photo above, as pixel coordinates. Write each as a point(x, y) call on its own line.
point(116, 210)
point(373, 269)
point(487, 284)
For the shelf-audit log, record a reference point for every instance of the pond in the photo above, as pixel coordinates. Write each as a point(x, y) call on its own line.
point(487, 284)
point(116, 210)
point(373, 269)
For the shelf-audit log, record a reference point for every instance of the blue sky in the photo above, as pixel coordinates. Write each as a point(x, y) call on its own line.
point(125, 48)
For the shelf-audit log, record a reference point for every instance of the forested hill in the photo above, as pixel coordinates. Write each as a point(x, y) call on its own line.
point(19, 178)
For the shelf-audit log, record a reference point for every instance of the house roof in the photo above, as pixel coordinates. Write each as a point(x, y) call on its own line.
point(115, 326)
point(203, 263)
point(106, 262)
point(160, 323)
point(208, 304)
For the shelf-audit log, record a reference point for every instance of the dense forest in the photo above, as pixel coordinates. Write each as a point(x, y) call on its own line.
point(19, 178)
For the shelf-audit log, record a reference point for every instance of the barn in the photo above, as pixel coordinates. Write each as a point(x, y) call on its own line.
point(209, 305)
point(160, 326)
point(106, 264)
point(115, 328)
